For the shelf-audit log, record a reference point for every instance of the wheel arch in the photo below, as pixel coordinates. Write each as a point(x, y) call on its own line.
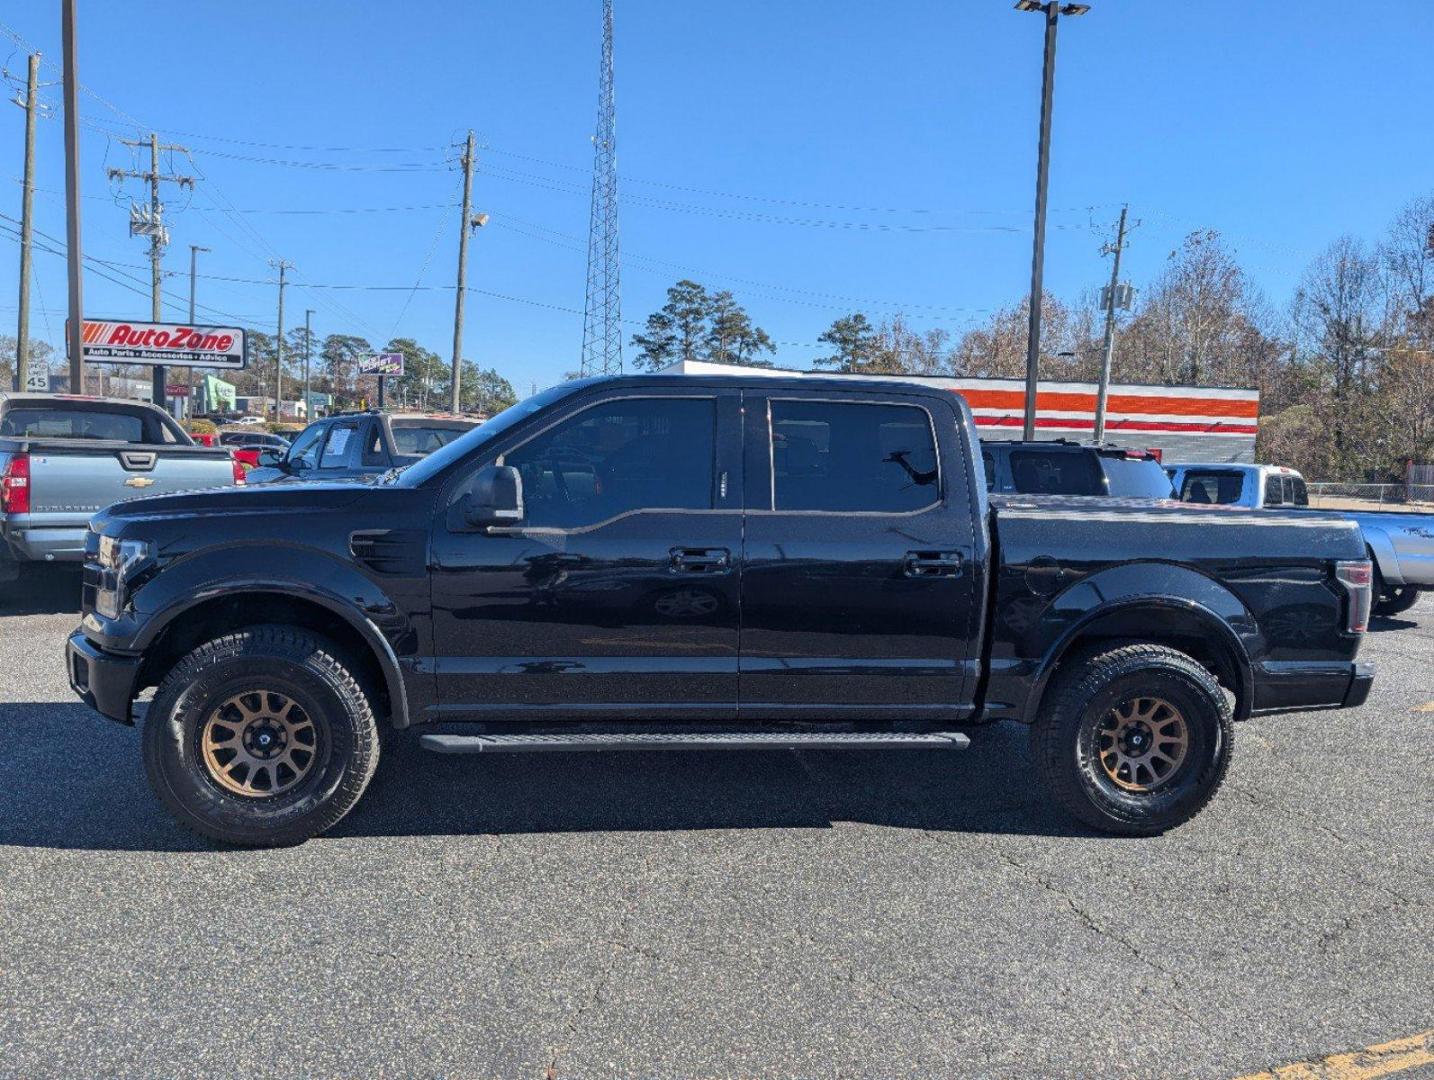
point(185, 626)
point(1382, 554)
point(1176, 622)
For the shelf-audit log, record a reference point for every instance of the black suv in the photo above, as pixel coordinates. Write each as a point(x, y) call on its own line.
point(1063, 467)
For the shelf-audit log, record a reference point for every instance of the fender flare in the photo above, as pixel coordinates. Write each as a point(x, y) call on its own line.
point(1239, 655)
point(1381, 550)
point(352, 609)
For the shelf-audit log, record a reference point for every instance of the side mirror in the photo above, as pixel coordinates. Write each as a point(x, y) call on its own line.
point(271, 459)
point(496, 498)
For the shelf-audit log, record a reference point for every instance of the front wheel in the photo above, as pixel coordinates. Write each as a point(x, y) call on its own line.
point(261, 738)
point(1134, 740)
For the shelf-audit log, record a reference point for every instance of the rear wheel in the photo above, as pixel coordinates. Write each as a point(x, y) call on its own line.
point(1133, 740)
point(1394, 599)
point(261, 738)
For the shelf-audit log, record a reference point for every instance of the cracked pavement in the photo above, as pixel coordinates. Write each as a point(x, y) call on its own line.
point(824, 914)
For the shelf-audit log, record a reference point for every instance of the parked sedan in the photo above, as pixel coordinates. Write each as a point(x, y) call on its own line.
point(352, 445)
point(248, 445)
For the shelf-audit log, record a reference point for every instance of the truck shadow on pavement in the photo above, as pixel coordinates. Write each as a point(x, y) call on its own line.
point(42, 590)
point(70, 780)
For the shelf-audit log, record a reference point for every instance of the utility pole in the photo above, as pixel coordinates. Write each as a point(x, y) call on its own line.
point(308, 351)
point(1111, 299)
point(74, 326)
point(281, 265)
point(1052, 10)
point(150, 222)
point(463, 227)
point(27, 205)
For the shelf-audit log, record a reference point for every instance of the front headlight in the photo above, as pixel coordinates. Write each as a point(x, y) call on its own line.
point(119, 560)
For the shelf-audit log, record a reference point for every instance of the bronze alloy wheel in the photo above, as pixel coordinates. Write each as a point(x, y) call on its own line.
point(258, 743)
point(1142, 743)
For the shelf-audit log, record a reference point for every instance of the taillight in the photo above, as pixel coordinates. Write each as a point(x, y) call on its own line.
point(15, 485)
point(1357, 577)
point(238, 468)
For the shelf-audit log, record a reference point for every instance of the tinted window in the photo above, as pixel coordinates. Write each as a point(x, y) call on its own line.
point(1135, 478)
point(338, 446)
point(1301, 492)
point(52, 423)
point(845, 456)
point(1211, 487)
point(1273, 495)
point(619, 456)
point(1056, 472)
point(989, 464)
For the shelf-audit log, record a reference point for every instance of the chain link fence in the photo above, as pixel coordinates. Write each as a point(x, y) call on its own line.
point(1360, 496)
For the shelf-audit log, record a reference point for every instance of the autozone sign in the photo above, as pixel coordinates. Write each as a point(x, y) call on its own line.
point(158, 344)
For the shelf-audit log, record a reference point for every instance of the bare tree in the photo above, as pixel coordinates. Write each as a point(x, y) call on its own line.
point(1338, 315)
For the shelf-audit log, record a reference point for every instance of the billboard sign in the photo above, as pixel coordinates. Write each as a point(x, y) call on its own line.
point(158, 344)
point(389, 363)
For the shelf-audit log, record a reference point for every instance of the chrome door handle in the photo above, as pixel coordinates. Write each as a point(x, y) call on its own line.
point(933, 563)
point(682, 560)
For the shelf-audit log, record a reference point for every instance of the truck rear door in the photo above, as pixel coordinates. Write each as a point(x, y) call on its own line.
point(858, 594)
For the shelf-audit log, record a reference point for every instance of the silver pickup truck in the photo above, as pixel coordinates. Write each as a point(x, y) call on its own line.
point(1400, 543)
point(64, 459)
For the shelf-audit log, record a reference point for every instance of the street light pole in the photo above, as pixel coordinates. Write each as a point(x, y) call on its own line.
point(74, 327)
point(194, 250)
point(308, 351)
point(1052, 10)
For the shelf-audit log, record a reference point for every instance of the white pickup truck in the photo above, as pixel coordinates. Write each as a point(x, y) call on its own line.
point(1400, 543)
point(63, 459)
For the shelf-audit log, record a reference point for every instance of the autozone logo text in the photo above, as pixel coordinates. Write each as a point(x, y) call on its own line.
point(178, 337)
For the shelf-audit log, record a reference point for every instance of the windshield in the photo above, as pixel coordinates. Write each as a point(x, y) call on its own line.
point(420, 472)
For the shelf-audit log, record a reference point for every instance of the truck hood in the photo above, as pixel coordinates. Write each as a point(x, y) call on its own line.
point(222, 502)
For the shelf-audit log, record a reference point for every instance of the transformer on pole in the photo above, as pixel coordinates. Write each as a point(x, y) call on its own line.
point(602, 310)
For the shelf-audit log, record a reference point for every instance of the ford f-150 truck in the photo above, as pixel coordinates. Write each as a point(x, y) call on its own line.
point(1400, 543)
point(704, 562)
point(64, 458)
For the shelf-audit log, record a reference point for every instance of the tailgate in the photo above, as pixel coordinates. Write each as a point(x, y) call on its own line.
point(70, 480)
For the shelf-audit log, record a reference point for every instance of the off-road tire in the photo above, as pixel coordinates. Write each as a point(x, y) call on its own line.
point(1395, 600)
point(295, 662)
point(1086, 690)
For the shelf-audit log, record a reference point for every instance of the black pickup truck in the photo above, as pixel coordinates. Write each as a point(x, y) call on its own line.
point(683, 561)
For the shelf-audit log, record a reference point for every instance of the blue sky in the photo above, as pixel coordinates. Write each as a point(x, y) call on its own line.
point(815, 156)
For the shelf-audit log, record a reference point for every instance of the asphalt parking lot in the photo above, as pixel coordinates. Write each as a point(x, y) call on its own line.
point(705, 915)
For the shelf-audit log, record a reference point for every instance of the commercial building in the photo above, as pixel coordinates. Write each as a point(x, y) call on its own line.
point(1184, 423)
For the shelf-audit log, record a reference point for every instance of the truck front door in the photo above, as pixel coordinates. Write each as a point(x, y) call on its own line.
point(617, 595)
point(857, 590)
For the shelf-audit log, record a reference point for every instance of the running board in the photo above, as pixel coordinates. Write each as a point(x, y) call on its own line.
point(698, 740)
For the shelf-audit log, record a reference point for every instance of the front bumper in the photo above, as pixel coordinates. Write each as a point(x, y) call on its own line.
point(104, 680)
point(1293, 686)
